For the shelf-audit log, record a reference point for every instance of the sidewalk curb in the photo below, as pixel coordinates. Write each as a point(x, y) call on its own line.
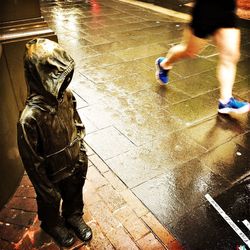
point(159, 9)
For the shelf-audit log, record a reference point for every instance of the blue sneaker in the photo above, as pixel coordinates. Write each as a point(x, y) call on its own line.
point(234, 106)
point(161, 74)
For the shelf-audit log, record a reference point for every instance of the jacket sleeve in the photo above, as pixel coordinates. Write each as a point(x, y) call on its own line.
point(34, 164)
point(79, 125)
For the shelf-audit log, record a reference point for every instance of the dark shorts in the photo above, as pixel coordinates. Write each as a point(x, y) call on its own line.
point(211, 15)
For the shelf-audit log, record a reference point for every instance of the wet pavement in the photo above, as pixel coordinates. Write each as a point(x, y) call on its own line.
point(167, 145)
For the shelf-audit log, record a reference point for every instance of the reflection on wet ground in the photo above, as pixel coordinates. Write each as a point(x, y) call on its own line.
point(167, 144)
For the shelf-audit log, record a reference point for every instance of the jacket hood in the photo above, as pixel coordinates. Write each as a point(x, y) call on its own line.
point(48, 68)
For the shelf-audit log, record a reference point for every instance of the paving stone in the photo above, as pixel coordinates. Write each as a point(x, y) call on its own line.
point(90, 194)
point(245, 48)
point(26, 204)
point(11, 233)
point(100, 115)
point(26, 181)
point(145, 164)
point(87, 215)
point(243, 140)
point(144, 129)
point(89, 150)
point(241, 87)
point(164, 38)
point(140, 51)
point(99, 241)
point(54, 246)
point(120, 239)
point(89, 163)
point(232, 165)
point(112, 198)
point(246, 96)
point(175, 245)
point(242, 68)
point(102, 60)
point(196, 230)
point(179, 190)
point(51, 246)
point(5, 245)
point(208, 83)
point(197, 109)
point(134, 203)
point(103, 215)
point(163, 201)
point(81, 52)
point(208, 51)
point(26, 244)
point(116, 183)
point(130, 84)
point(172, 95)
point(217, 131)
point(149, 242)
point(96, 178)
point(131, 222)
point(187, 68)
point(113, 46)
point(110, 72)
point(141, 162)
point(89, 125)
point(99, 163)
point(40, 238)
point(127, 27)
point(132, 19)
point(165, 236)
point(109, 142)
point(94, 39)
point(88, 91)
point(17, 217)
point(80, 103)
point(24, 191)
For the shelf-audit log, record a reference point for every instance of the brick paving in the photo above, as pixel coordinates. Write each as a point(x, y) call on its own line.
point(118, 218)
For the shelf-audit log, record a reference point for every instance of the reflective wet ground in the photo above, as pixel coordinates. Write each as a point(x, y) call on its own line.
point(167, 144)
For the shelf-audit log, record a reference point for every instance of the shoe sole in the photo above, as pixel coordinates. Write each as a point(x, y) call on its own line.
point(242, 110)
point(157, 70)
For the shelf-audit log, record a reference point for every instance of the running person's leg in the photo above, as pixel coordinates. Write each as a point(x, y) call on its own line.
point(190, 47)
point(228, 43)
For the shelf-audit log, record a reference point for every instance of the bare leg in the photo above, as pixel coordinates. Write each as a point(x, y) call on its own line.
point(190, 47)
point(228, 44)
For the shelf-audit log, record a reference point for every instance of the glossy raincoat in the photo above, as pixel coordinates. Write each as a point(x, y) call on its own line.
point(50, 131)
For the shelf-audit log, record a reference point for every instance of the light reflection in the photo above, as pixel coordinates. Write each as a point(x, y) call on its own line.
point(95, 7)
point(66, 21)
point(59, 18)
point(72, 23)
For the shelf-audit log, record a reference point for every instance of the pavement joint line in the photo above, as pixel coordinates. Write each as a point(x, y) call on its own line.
point(228, 220)
point(242, 178)
point(158, 9)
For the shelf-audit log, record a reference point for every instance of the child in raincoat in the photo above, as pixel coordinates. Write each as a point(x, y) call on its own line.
point(50, 141)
